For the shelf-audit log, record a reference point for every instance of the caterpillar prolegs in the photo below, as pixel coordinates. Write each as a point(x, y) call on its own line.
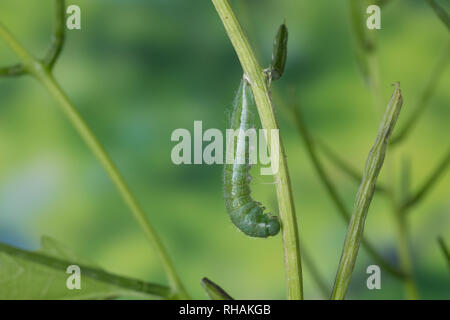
point(245, 213)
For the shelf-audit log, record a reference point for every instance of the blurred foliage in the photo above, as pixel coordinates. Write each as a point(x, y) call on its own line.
point(139, 69)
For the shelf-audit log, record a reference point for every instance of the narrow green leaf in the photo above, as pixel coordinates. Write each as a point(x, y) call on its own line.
point(364, 196)
point(42, 275)
point(213, 291)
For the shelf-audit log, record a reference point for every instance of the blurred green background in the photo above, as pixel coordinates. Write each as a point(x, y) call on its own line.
point(140, 69)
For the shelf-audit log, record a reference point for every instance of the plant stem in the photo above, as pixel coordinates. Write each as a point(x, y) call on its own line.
point(333, 193)
point(266, 113)
point(440, 12)
point(366, 52)
point(87, 135)
point(93, 273)
point(315, 273)
point(364, 196)
point(12, 71)
point(345, 167)
point(424, 98)
point(405, 256)
point(43, 74)
point(374, 74)
point(444, 249)
point(428, 184)
point(58, 35)
point(400, 217)
point(214, 291)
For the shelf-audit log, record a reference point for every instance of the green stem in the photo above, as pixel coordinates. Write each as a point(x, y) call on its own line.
point(440, 12)
point(58, 35)
point(364, 196)
point(87, 135)
point(383, 3)
point(346, 167)
point(444, 249)
point(316, 275)
point(428, 184)
point(424, 98)
point(332, 190)
point(405, 256)
point(12, 71)
point(400, 217)
point(43, 74)
point(266, 113)
point(93, 273)
point(366, 51)
point(374, 74)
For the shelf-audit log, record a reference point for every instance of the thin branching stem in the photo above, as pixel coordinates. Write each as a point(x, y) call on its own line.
point(316, 275)
point(365, 52)
point(410, 200)
point(40, 71)
point(425, 188)
point(57, 44)
point(13, 71)
point(345, 167)
point(89, 272)
point(444, 249)
point(440, 12)
point(404, 250)
point(424, 98)
point(383, 3)
point(364, 196)
point(401, 224)
point(58, 35)
point(258, 82)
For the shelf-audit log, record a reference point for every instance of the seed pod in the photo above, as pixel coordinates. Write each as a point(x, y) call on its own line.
point(279, 53)
point(245, 213)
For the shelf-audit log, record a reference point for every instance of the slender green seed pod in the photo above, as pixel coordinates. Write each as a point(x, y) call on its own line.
point(279, 53)
point(365, 194)
point(245, 213)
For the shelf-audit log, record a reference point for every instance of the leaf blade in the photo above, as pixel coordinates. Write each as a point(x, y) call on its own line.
point(41, 275)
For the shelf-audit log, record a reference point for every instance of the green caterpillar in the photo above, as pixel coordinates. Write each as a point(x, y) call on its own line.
point(245, 213)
